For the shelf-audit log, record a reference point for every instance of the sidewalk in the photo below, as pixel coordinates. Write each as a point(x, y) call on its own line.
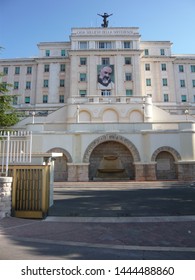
point(112, 238)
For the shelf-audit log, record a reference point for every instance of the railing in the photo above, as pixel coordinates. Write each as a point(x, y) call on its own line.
point(15, 147)
point(30, 191)
point(106, 99)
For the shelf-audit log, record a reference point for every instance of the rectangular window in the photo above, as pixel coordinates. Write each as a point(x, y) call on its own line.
point(16, 85)
point(193, 83)
point(45, 98)
point(127, 60)
point(129, 92)
point(63, 52)
point(193, 68)
point(83, 77)
point(163, 67)
point(62, 67)
point(83, 61)
point(29, 70)
point(5, 70)
point(83, 45)
point(164, 82)
point(128, 76)
point(162, 52)
point(62, 83)
point(27, 99)
point(105, 45)
point(17, 70)
point(146, 52)
point(182, 83)
point(82, 92)
point(147, 67)
point(47, 53)
point(61, 98)
point(181, 68)
point(28, 85)
point(127, 45)
point(148, 82)
point(166, 97)
point(183, 98)
point(45, 83)
point(15, 100)
point(105, 61)
point(106, 92)
point(46, 68)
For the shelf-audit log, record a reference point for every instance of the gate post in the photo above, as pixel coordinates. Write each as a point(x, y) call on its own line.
point(5, 196)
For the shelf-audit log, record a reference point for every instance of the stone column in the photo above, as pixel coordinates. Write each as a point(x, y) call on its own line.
point(145, 171)
point(78, 172)
point(5, 196)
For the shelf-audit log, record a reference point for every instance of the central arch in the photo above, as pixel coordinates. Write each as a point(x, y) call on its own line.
point(111, 156)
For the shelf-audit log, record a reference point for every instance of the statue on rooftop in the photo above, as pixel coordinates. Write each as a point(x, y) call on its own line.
point(105, 21)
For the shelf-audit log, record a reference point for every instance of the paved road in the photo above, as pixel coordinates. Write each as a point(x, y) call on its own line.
point(124, 222)
point(123, 199)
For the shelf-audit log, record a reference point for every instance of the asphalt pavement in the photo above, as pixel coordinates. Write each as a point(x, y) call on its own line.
point(107, 221)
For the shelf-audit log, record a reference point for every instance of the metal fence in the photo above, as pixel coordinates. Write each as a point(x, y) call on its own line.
point(15, 147)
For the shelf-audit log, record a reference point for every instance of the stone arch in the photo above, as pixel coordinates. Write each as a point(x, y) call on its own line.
point(136, 116)
point(111, 137)
point(168, 149)
point(60, 165)
point(110, 115)
point(166, 167)
point(84, 116)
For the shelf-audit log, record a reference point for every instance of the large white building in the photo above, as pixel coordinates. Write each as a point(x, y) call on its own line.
point(117, 107)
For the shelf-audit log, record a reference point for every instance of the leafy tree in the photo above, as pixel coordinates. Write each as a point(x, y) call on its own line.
point(8, 115)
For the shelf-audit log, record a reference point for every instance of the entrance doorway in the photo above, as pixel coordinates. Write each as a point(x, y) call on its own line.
point(166, 169)
point(111, 160)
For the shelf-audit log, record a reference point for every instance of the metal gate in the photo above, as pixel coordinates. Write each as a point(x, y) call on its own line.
point(30, 191)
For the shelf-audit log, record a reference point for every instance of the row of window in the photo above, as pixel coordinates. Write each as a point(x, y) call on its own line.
point(84, 45)
point(27, 99)
point(83, 93)
point(165, 83)
point(83, 78)
point(164, 67)
point(161, 52)
point(29, 69)
point(63, 53)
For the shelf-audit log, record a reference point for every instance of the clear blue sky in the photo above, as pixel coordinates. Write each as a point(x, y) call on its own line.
point(24, 23)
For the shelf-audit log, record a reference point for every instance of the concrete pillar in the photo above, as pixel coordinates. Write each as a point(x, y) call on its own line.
point(78, 172)
point(145, 171)
point(5, 196)
point(148, 109)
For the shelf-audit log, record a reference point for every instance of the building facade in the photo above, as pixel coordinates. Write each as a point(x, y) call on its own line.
point(115, 106)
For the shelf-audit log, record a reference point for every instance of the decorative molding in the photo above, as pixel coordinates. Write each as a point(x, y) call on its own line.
point(60, 150)
point(111, 137)
point(168, 149)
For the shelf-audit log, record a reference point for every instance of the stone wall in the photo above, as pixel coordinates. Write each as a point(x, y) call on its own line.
point(5, 196)
point(186, 171)
point(78, 172)
point(145, 172)
point(111, 148)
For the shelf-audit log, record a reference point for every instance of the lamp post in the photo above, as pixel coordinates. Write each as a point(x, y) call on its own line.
point(33, 117)
point(77, 113)
point(186, 113)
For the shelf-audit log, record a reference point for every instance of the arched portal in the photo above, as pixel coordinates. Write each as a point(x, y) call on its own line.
point(111, 157)
point(166, 167)
point(60, 165)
